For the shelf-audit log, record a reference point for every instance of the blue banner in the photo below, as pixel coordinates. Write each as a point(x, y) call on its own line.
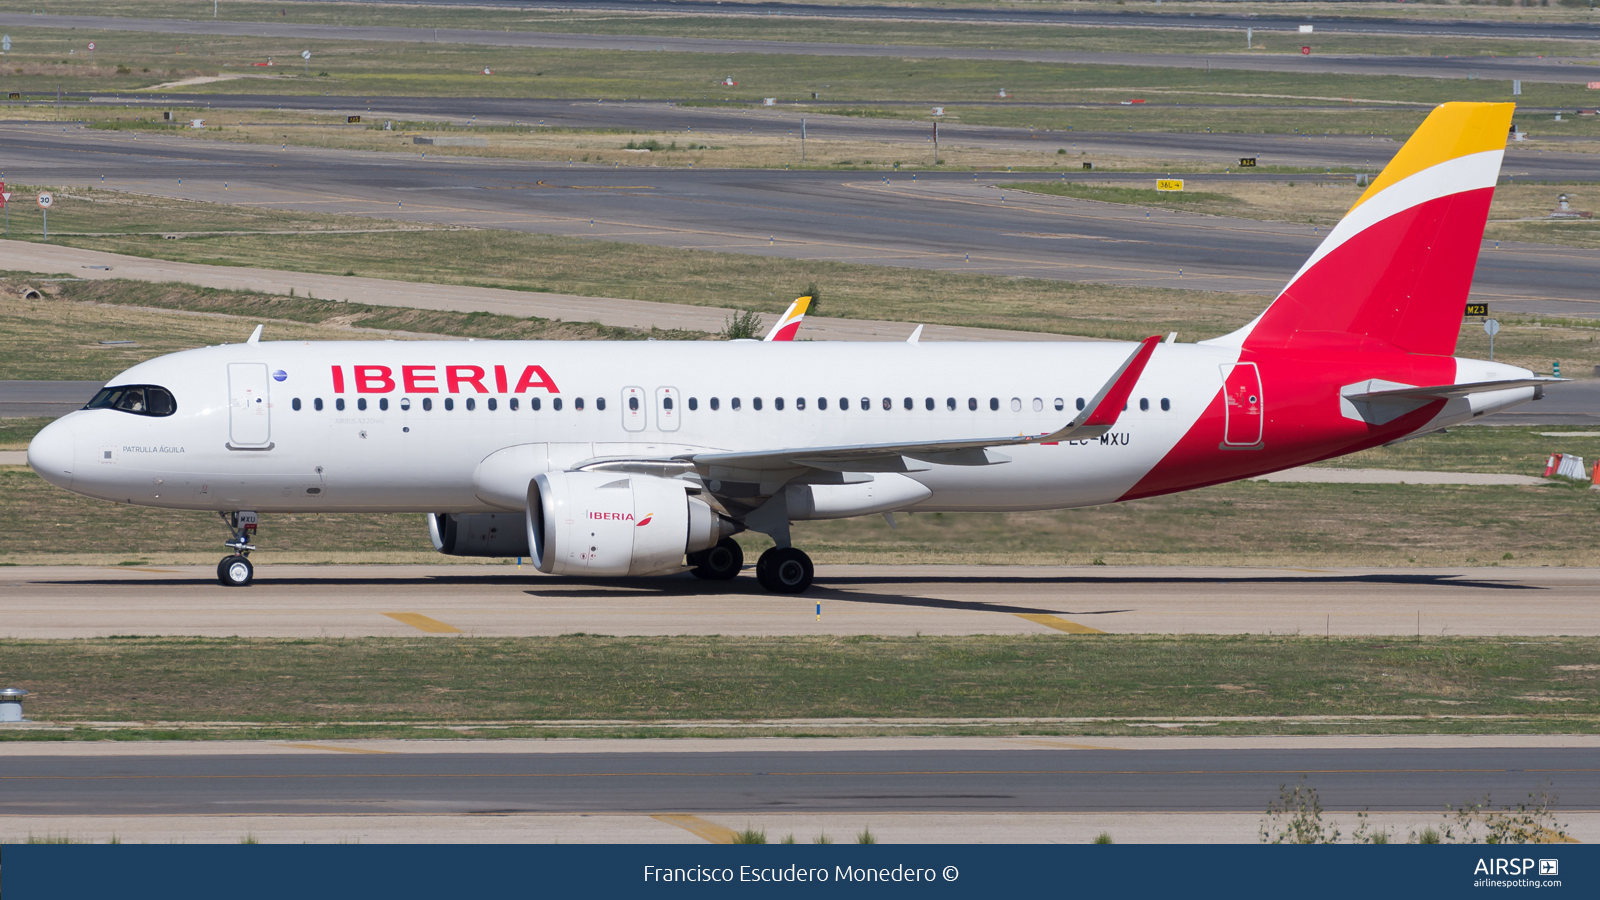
point(335, 872)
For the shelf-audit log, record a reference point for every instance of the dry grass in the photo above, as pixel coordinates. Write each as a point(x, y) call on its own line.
point(195, 687)
point(63, 336)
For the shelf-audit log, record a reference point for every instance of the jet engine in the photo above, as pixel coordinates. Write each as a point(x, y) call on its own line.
point(616, 523)
point(478, 534)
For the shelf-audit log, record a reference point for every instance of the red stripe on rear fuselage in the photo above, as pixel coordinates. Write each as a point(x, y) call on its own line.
point(1303, 422)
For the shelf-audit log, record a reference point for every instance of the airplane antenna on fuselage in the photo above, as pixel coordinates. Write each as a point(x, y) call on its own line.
point(255, 336)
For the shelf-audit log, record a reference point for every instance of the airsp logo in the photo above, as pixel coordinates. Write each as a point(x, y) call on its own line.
point(1549, 867)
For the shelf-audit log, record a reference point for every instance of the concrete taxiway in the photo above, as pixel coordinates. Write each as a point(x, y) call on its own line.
point(956, 222)
point(939, 789)
point(501, 600)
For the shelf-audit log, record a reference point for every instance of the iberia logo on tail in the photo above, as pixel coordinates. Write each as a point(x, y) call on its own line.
point(789, 323)
point(1393, 274)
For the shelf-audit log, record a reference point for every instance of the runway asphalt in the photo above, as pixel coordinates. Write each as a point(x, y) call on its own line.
point(1552, 70)
point(287, 600)
point(1038, 780)
point(944, 221)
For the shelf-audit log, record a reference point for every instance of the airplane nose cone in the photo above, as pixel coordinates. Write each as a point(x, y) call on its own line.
point(51, 453)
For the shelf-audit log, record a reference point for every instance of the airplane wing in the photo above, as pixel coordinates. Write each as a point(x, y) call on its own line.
point(789, 322)
point(1096, 418)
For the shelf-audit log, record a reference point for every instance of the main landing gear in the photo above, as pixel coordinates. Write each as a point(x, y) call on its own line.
point(720, 563)
point(236, 570)
point(784, 570)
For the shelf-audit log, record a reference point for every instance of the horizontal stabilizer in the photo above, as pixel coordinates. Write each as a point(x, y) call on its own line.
point(1389, 390)
point(1379, 402)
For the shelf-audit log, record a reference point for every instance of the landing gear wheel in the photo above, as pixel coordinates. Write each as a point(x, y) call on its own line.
point(784, 570)
point(235, 571)
point(720, 563)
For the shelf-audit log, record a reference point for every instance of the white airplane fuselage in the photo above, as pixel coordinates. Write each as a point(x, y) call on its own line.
point(237, 441)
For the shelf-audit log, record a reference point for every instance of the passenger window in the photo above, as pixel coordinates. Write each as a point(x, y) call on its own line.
point(866, 403)
point(600, 403)
point(534, 403)
point(383, 403)
point(888, 404)
point(1060, 404)
point(1080, 403)
point(449, 404)
point(910, 404)
point(733, 404)
point(317, 404)
point(295, 404)
point(362, 404)
point(822, 404)
point(800, 403)
point(577, 404)
point(471, 404)
point(493, 404)
point(694, 403)
point(633, 404)
point(512, 404)
point(1144, 404)
point(949, 403)
point(1038, 405)
point(666, 402)
point(339, 404)
point(756, 403)
point(1016, 404)
point(1165, 404)
point(555, 404)
point(994, 403)
point(972, 403)
point(929, 404)
point(777, 403)
point(715, 404)
point(405, 403)
point(844, 403)
point(427, 404)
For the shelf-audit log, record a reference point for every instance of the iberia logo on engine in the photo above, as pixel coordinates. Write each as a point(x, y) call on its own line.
point(621, 517)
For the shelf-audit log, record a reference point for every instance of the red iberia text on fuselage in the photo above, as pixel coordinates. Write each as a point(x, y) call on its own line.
point(446, 379)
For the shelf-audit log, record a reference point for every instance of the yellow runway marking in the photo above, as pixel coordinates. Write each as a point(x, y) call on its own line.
point(422, 623)
point(334, 749)
point(1058, 623)
point(710, 832)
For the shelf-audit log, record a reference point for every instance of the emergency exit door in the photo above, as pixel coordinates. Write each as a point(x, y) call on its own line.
point(1242, 409)
point(633, 411)
point(249, 406)
point(667, 412)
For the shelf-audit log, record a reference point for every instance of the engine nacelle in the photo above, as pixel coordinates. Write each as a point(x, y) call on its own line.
point(479, 534)
point(614, 523)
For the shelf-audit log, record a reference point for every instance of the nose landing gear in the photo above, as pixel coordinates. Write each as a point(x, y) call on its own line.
point(236, 570)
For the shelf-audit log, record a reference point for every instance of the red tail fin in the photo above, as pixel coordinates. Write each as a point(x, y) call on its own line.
point(1395, 272)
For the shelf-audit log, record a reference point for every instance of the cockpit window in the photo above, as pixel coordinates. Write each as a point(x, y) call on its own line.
point(139, 399)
